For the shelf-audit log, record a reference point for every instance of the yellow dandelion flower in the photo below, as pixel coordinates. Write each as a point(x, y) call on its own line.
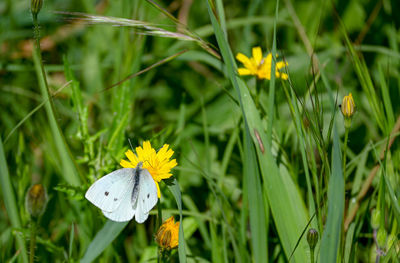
point(158, 163)
point(167, 235)
point(259, 66)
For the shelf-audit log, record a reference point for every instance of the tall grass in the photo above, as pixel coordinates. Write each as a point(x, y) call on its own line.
point(260, 162)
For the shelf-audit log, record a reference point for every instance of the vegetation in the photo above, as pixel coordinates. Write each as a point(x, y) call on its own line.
point(296, 166)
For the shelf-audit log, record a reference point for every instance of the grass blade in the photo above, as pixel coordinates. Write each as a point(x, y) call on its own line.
point(69, 170)
point(330, 242)
point(271, 97)
point(103, 239)
point(9, 201)
point(258, 224)
point(174, 188)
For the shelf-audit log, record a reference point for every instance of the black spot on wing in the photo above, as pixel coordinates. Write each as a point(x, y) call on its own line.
point(115, 199)
point(106, 193)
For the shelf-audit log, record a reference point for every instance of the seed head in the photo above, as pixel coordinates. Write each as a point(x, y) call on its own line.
point(36, 200)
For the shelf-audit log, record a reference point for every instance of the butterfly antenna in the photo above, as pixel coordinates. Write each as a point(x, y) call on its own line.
point(148, 163)
point(130, 143)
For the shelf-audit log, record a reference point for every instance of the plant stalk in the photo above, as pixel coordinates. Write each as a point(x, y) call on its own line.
point(346, 137)
point(32, 243)
point(69, 170)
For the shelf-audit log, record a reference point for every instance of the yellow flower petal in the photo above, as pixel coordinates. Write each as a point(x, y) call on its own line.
point(167, 236)
point(281, 64)
point(132, 157)
point(244, 71)
point(281, 75)
point(158, 191)
point(126, 164)
point(268, 59)
point(243, 58)
point(246, 62)
point(257, 55)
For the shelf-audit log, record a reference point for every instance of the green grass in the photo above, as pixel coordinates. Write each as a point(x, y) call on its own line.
point(259, 161)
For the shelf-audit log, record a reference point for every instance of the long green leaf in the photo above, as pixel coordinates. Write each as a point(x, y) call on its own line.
point(69, 171)
point(9, 201)
point(103, 239)
point(174, 188)
point(258, 225)
point(288, 211)
point(330, 243)
point(271, 98)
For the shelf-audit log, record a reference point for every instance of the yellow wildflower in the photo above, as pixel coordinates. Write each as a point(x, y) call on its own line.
point(158, 163)
point(259, 66)
point(348, 106)
point(167, 235)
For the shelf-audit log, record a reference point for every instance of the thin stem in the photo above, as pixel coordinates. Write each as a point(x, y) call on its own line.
point(312, 255)
point(32, 243)
point(346, 136)
point(36, 33)
point(69, 169)
point(159, 222)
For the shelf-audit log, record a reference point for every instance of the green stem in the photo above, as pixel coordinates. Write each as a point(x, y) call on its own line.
point(259, 85)
point(271, 93)
point(346, 136)
point(312, 255)
point(10, 203)
point(69, 169)
point(32, 244)
point(159, 223)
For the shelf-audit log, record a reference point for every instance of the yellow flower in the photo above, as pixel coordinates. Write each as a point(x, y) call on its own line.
point(167, 235)
point(348, 106)
point(259, 66)
point(158, 163)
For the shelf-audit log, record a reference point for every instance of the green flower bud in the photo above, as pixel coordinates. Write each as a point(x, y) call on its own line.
point(390, 241)
point(381, 237)
point(36, 5)
point(376, 218)
point(312, 238)
point(36, 200)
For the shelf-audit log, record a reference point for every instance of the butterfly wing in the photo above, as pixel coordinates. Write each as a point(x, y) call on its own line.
point(125, 210)
point(108, 192)
point(147, 196)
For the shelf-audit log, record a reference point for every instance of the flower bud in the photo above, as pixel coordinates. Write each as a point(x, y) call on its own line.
point(312, 238)
point(36, 200)
point(381, 237)
point(348, 106)
point(36, 5)
point(390, 241)
point(376, 218)
point(167, 236)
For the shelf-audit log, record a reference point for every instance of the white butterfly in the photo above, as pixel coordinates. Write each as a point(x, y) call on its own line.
point(124, 194)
